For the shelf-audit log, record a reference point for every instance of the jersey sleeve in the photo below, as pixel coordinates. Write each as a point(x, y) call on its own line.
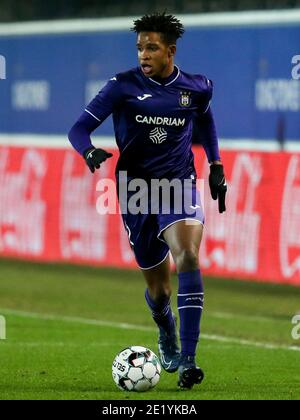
point(206, 134)
point(106, 101)
point(204, 126)
point(80, 133)
point(206, 92)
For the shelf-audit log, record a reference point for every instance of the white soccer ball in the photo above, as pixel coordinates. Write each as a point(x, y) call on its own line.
point(136, 368)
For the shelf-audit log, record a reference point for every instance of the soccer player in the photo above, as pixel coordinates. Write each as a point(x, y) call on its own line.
point(155, 107)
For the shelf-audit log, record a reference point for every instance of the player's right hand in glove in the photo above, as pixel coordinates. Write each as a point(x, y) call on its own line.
point(94, 157)
point(217, 184)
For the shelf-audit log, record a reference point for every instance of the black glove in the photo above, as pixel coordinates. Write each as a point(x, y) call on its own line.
point(94, 157)
point(218, 186)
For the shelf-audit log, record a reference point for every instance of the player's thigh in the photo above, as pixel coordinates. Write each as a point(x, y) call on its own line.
point(184, 238)
point(158, 279)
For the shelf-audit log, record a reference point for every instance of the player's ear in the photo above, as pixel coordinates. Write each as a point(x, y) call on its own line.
point(172, 50)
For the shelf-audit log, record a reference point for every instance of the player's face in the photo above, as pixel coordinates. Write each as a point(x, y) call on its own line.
point(155, 56)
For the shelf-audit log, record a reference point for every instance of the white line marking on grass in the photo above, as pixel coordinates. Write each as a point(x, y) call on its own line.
point(243, 342)
point(87, 321)
point(55, 344)
point(228, 315)
point(122, 325)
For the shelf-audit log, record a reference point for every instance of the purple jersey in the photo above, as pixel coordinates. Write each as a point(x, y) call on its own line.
point(153, 120)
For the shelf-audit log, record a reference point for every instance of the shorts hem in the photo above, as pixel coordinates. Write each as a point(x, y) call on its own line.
point(155, 265)
point(175, 221)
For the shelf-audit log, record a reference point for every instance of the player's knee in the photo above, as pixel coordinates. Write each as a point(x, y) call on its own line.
point(160, 298)
point(159, 293)
point(187, 260)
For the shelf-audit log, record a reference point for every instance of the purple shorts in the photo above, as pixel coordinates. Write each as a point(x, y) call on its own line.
point(145, 229)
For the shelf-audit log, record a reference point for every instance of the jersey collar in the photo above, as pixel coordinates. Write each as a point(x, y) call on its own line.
point(169, 82)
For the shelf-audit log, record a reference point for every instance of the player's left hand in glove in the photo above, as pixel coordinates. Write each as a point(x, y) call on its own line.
point(94, 158)
point(217, 184)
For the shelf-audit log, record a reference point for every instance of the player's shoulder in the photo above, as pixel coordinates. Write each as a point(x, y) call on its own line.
point(126, 76)
point(198, 81)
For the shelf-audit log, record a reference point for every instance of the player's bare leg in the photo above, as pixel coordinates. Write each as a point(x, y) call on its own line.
point(158, 295)
point(183, 239)
point(158, 280)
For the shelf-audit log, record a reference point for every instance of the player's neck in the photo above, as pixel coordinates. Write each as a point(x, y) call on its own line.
point(168, 71)
point(168, 76)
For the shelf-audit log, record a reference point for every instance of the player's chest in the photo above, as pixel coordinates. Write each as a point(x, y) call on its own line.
point(164, 102)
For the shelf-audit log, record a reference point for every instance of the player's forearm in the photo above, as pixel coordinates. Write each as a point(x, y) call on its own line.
point(79, 135)
point(209, 138)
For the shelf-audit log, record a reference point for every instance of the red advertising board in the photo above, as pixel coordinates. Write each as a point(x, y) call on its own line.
point(49, 211)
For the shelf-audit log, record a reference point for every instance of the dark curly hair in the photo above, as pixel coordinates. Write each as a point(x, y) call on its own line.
point(168, 25)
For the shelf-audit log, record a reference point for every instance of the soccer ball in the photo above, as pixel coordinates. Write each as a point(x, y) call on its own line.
point(136, 368)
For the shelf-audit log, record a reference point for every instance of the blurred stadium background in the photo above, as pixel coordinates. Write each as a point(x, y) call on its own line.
point(54, 57)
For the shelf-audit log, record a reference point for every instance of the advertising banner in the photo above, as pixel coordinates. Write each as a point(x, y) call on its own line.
point(50, 207)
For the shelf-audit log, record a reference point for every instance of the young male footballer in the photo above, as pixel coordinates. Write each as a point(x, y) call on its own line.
point(154, 107)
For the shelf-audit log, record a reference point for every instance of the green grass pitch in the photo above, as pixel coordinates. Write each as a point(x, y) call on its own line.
point(65, 324)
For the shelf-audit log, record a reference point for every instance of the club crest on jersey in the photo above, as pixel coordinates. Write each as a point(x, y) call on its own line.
point(185, 99)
